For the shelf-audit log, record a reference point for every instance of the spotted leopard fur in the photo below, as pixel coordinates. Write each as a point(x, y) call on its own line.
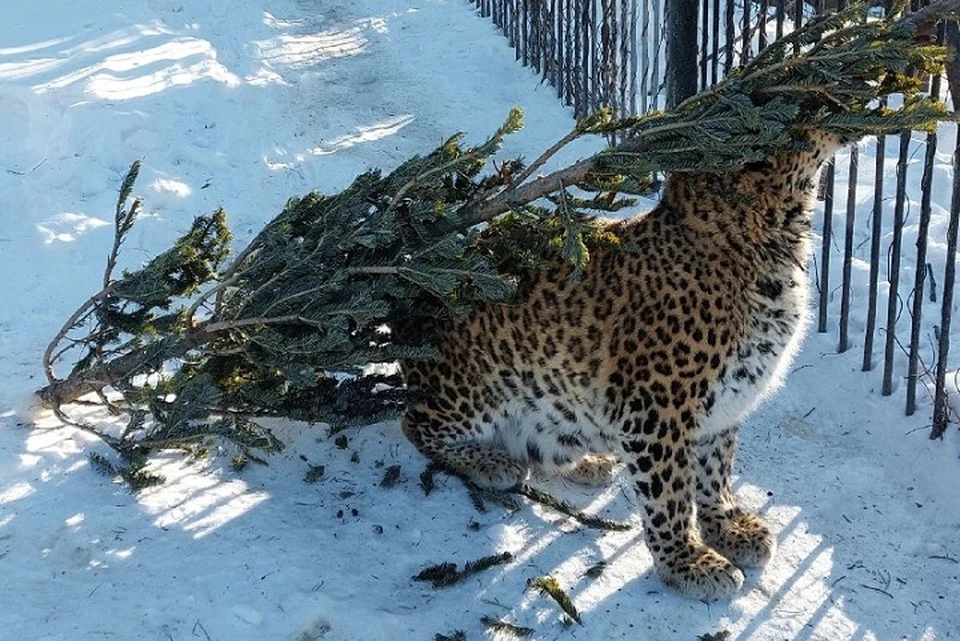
point(654, 357)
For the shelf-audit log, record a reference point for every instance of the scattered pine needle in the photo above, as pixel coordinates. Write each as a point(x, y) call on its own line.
point(549, 586)
point(943, 557)
point(446, 574)
point(391, 476)
point(426, 478)
point(880, 590)
point(595, 570)
point(314, 473)
point(102, 464)
point(506, 628)
point(722, 635)
point(476, 497)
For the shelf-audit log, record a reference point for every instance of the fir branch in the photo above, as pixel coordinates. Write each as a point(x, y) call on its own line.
point(547, 155)
point(549, 586)
point(132, 469)
point(123, 219)
point(501, 498)
point(51, 354)
point(487, 210)
point(565, 508)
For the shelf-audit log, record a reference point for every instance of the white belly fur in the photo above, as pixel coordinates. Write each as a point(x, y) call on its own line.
point(787, 319)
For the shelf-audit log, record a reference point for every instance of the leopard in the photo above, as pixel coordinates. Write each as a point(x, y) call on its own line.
point(645, 364)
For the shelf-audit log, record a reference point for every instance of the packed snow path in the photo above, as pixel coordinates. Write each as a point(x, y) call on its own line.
point(244, 104)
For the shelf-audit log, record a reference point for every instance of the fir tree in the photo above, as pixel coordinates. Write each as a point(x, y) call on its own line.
point(194, 345)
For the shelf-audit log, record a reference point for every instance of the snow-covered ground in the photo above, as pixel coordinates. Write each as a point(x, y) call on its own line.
point(243, 104)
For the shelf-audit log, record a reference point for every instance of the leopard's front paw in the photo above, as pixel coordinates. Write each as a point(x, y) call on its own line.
point(700, 572)
point(742, 537)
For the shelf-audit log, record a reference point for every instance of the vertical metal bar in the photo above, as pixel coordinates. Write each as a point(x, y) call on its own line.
point(505, 18)
point(608, 27)
point(764, 9)
point(585, 69)
point(715, 43)
point(625, 47)
point(893, 274)
point(781, 17)
point(825, 248)
point(844, 344)
point(704, 41)
point(926, 183)
point(797, 20)
point(644, 44)
point(874, 253)
point(634, 58)
point(542, 35)
point(531, 12)
point(569, 56)
point(549, 49)
point(681, 50)
point(655, 51)
point(596, 75)
point(517, 29)
point(576, 39)
point(538, 32)
point(729, 34)
point(560, 67)
point(745, 33)
point(524, 6)
point(946, 310)
point(923, 230)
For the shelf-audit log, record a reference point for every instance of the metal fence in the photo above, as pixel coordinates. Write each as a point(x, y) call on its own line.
point(613, 53)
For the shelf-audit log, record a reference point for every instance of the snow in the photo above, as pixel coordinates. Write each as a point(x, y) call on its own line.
point(244, 104)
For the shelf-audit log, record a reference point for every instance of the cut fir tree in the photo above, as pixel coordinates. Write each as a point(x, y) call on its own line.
point(195, 345)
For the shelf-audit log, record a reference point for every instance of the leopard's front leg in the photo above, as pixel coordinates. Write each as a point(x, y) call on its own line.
point(741, 536)
point(663, 476)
